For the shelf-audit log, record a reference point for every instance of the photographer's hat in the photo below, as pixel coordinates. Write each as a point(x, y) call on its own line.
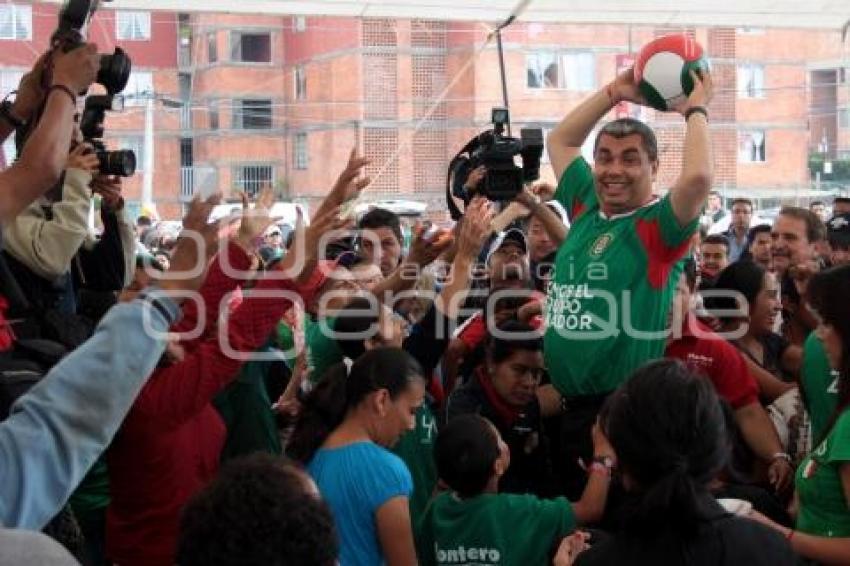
point(513, 236)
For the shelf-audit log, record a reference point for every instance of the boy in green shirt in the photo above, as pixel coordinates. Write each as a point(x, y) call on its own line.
point(474, 524)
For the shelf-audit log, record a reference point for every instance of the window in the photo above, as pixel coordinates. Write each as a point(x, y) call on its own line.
point(212, 48)
point(251, 178)
point(251, 47)
point(15, 22)
point(844, 117)
point(752, 147)
point(132, 26)
point(213, 113)
point(750, 81)
point(300, 155)
point(139, 87)
point(252, 114)
point(299, 23)
point(569, 71)
point(9, 81)
point(749, 31)
point(300, 83)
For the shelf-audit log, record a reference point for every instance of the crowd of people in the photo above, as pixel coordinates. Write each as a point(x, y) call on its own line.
point(588, 374)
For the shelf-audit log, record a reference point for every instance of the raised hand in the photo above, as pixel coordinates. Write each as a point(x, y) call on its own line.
point(255, 221)
point(191, 254)
point(350, 182)
point(475, 227)
point(426, 247)
point(76, 69)
point(701, 95)
point(625, 88)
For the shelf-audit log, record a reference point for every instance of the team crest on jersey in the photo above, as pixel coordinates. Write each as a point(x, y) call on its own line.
point(601, 244)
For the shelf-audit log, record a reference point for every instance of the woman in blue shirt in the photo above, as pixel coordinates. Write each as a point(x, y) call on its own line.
point(347, 422)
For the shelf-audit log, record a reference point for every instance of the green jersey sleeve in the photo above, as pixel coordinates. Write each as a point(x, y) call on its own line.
point(673, 234)
point(575, 189)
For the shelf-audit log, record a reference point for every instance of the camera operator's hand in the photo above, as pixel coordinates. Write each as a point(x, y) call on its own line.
point(109, 189)
point(76, 69)
point(190, 252)
point(474, 179)
point(83, 157)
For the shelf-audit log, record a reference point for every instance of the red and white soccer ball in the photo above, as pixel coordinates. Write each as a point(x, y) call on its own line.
point(663, 69)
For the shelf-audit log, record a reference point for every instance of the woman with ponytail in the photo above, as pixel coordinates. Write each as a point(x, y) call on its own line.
point(347, 421)
point(822, 532)
point(667, 428)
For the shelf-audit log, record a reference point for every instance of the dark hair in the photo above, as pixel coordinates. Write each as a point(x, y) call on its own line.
point(827, 295)
point(742, 200)
point(339, 390)
point(841, 200)
point(352, 321)
point(755, 231)
point(624, 127)
point(667, 428)
point(257, 511)
point(465, 451)
point(382, 218)
point(500, 348)
point(816, 203)
point(714, 193)
point(745, 277)
point(144, 220)
point(815, 228)
point(717, 239)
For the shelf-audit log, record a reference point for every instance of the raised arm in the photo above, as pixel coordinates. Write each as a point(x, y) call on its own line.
point(690, 191)
point(565, 140)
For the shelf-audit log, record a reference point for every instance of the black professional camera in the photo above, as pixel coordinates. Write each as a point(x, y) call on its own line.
point(121, 162)
point(504, 179)
point(74, 19)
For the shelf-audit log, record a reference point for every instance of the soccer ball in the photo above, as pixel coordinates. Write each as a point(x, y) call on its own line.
point(663, 70)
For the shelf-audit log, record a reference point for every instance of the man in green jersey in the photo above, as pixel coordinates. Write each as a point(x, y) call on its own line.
point(616, 273)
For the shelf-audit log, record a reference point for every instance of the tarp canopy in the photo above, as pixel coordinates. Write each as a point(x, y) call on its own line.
point(833, 14)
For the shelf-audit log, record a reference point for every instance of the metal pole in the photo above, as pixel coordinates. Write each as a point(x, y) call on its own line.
point(147, 165)
point(502, 72)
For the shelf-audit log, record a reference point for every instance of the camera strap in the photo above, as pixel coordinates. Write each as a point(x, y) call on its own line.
point(459, 165)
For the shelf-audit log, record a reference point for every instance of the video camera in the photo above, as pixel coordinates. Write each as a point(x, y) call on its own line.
point(74, 19)
point(121, 162)
point(496, 151)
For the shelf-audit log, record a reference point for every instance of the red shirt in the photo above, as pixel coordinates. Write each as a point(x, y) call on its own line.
point(169, 445)
point(713, 357)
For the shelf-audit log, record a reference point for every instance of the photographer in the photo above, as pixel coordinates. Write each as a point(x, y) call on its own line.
point(42, 159)
point(48, 234)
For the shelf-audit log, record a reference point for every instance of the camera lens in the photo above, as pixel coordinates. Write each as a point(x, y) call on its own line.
point(121, 162)
point(114, 71)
